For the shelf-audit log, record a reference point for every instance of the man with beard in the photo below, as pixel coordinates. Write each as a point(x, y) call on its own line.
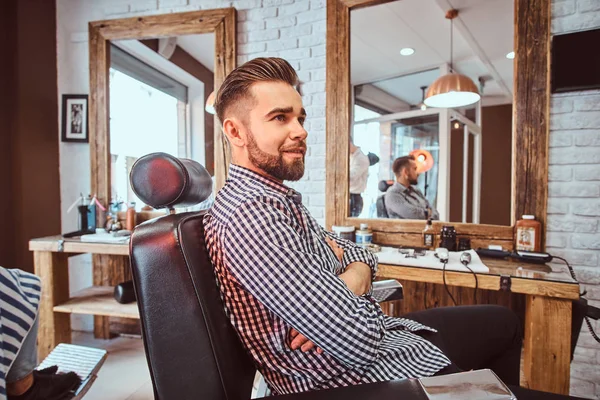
point(404, 201)
point(299, 297)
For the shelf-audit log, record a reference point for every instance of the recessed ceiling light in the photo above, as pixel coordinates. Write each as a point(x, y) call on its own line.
point(407, 51)
point(511, 55)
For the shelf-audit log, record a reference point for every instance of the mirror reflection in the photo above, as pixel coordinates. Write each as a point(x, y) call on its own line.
point(158, 90)
point(418, 149)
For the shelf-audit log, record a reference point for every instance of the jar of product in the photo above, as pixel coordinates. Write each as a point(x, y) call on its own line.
point(364, 236)
point(529, 234)
point(345, 232)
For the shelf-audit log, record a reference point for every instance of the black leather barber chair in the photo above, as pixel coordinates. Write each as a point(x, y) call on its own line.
point(380, 206)
point(383, 186)
point(191, 348)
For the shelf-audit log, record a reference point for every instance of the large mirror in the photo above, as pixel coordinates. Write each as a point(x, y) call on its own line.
point(410, 161)
point(150, 79)
point(158, 90)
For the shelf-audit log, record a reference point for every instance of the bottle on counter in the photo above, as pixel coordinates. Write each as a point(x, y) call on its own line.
point(429, 235)
point(364, 236)
point(130, 217)
point(529, 234)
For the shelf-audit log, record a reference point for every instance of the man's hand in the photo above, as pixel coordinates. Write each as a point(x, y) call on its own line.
point(299, 341)
point(357, 277)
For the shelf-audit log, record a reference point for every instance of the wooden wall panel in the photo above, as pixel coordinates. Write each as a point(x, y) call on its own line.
point(531, 109)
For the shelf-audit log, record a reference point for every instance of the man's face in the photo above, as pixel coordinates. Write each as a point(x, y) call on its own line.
point(276, 138)
point(411, 173)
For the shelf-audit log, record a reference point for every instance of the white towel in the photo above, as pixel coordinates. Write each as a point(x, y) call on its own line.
point(389, 255)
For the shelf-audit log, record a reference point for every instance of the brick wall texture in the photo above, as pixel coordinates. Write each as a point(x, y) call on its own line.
point(574, 189)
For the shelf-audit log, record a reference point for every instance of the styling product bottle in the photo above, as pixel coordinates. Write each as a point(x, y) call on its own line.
point(130, 217)
point(529, 234)
point(429, 235)
point(364, 236)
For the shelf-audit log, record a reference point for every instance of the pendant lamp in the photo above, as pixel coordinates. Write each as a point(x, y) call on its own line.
point(210, 103)
point(452, 90)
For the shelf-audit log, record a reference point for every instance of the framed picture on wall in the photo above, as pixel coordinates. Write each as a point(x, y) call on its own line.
point(75, 118)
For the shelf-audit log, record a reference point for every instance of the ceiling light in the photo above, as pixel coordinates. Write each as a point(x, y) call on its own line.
point(456, 125)
point(407, 51)
point(452, 90)
point(511, 55)
point(210, 103)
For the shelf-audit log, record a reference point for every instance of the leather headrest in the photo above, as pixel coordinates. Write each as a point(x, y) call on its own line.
point(385, 185)
point(161, 180)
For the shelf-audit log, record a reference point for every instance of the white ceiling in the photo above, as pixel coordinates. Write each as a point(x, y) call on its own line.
point(483, 35)
point(201, 47)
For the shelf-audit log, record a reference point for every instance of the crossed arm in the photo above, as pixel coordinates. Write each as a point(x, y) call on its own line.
point(269, 257)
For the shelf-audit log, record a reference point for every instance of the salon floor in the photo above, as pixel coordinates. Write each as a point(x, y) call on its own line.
point(124, 375)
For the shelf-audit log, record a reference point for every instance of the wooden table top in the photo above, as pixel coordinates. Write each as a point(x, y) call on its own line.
point(526, 278)
point(75, 245)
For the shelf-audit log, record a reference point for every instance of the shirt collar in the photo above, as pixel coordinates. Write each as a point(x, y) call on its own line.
point(237, 172)
point(402, 187)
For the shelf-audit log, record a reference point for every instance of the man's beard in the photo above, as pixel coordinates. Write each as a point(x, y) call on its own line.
point(414, 181)
point(276, 165)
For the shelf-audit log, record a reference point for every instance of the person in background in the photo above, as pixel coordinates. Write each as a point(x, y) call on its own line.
point(19, 303)
point(359, 172)
point(403, 200)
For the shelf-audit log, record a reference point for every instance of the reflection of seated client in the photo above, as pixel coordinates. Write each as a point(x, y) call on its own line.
point(402, 200)
point(359, 172)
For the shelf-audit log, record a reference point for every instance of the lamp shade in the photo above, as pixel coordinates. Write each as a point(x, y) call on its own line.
point(452, 90)
point(424, 160)
point(210, 103)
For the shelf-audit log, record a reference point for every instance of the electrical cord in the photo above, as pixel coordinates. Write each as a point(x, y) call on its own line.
point(444, 262)
point(446, 285)
point(587, 319)
point(476, 283)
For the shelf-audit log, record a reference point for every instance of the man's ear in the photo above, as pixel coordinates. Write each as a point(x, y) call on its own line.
point(231, 128)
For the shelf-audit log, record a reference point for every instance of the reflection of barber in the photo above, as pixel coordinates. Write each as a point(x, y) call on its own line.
point(359, 172)
point(402, 200)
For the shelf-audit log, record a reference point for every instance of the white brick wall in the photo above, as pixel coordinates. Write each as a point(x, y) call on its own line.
point(574, 189)
point(292, 29)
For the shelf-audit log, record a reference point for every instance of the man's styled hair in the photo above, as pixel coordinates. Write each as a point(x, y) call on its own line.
point(236, 85)
point(400, 163)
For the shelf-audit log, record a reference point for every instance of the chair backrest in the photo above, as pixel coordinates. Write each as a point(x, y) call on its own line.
point(192, 350)
point(381, 210)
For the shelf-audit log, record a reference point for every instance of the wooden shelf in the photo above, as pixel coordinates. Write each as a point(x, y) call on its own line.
point(98, 300)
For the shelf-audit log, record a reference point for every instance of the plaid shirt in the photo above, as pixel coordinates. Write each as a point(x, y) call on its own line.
point(275, 271)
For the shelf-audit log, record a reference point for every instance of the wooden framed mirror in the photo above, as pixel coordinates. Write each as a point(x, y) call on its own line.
point(219, 22)
point(177, 59)
point(530, 115)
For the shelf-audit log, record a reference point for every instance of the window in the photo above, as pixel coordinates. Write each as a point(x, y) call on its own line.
point(148, 113)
